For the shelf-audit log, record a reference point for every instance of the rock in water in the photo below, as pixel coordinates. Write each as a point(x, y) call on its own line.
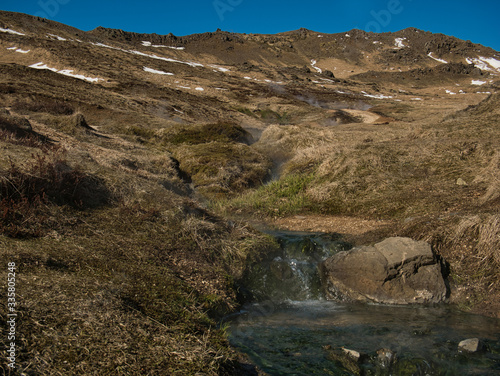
point(471, 345)
point(395, 271)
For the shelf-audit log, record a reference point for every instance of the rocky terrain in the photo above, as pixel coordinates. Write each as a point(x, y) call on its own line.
point(132, 166)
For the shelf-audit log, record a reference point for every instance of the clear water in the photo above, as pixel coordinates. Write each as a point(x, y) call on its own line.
point(289, 329)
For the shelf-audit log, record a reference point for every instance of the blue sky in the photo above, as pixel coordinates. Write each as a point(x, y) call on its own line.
point(478, 22)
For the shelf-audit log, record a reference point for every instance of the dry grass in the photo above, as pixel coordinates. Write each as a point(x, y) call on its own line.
point(222, 168)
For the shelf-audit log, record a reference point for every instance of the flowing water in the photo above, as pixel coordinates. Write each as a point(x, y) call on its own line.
point(290, 329)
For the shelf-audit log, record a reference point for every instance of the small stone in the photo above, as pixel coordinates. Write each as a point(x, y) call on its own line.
point(471, 345)
point(386, 358)
point(352, 353)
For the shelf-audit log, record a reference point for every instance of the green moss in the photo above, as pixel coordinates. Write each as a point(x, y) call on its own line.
point(221, 132)
point(285, 196)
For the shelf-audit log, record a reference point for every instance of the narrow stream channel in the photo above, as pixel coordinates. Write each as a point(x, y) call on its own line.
point(288, 328)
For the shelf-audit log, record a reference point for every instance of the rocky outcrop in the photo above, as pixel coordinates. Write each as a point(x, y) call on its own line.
point(394, 271)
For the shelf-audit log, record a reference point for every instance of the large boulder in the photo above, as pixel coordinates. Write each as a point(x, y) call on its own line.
point(394, 271)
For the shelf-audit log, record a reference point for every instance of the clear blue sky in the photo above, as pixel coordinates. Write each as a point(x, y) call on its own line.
point(468, 20)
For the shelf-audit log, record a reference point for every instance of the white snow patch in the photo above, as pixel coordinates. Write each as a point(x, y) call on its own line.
point(437, 59)
point(69, 72)
point(41, 65)
point(485, 63)
point(149, 44)
point(10, 31)
point(493, 62)
point(450, 92)
point(247, 78)
point(416, 99)
point(18, 50)
point(65, 72)
point(151, 70)
point(347, 35)
point(320, 36)
point(377, 96)
point(377, 42)
point(57, 37)
point(184, 87)
point(106, 46)
point(399, 42)
point(483, 92)
point(478, 82)
point(199, 89)
point(221, 69)
point(220, 88)
point(190, 63)
point(313, 63)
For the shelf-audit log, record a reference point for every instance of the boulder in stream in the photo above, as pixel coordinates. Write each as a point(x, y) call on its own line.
point(395, 271)
point(471, 345)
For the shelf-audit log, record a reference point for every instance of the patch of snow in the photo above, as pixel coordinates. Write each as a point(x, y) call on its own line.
point(18, 50)
point(65, 72)
point(148, 44)
point(437, 59)
point(41, 65)
point(221, 69)
point(324, 79)
point(377, 96)
point(179, 111)
point(10, 31)
point(450, 92)
point(184, 87)
point(483, 92)
point(106, 46)
point(69, 72)
point(320, 36)
point(151, 70)
point(377, 42)
point(484, 63)
point(399, 42)
point(347, 35)
point(478, 82)
point(493, 62)
point(199, 89)
point(190, 63)
point(462, 92)
point(313, 63)
point(220, 88)
point(247, 78)
point(416, 99)
point(57, 37)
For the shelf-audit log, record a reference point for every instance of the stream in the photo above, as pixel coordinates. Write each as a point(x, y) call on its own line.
point(288, 328)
